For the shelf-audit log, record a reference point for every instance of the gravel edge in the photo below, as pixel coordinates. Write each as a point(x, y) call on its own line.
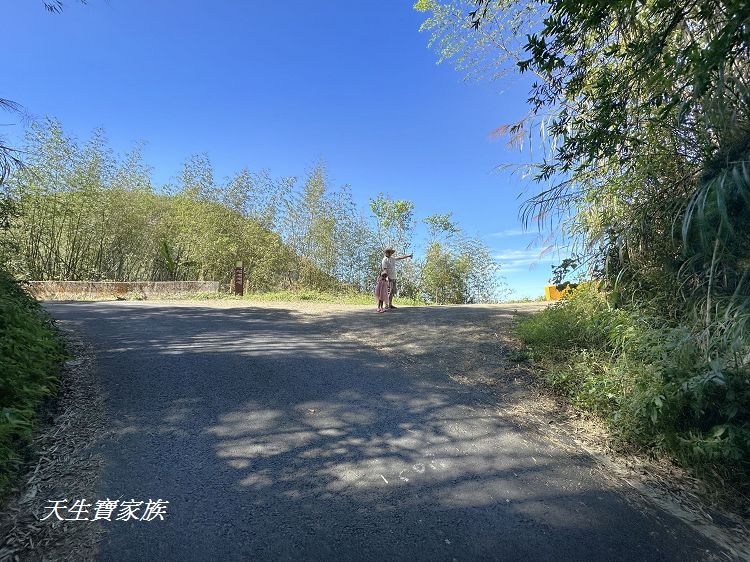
point(63, 465)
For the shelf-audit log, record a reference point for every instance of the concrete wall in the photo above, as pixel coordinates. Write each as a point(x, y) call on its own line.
point(112, 289)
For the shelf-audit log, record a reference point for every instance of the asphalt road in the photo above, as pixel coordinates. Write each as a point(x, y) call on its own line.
point(273, 439)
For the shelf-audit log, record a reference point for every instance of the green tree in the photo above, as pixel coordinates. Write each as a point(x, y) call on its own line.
point(441, 225)
point(494, 49)
point(643, 118)
point(394, 227)
point(394, 219)
point(457, 269)
point(444, 276)
point(358, 253)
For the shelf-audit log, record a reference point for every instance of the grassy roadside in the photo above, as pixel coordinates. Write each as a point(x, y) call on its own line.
point(302, 295)
point(30, 359)
point(650, 380)
point(524, 300)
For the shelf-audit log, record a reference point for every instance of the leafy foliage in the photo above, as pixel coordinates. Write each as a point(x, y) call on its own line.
point(650, 378)
point(444, 276)
point(79, 212)
point(495, 46)
point(56, 6)
point(640, 116)
point(30, 354)
point(457, 269)
point(9, 157)
point(84, 215)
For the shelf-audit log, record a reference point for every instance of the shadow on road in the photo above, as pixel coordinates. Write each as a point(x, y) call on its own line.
point(273, 437)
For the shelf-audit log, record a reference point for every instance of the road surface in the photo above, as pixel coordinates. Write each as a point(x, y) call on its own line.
point(273, 438)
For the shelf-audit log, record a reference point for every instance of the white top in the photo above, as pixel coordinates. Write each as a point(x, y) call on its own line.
point(389, 265)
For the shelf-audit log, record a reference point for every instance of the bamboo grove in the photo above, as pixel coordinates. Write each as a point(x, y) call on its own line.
point(80, 212)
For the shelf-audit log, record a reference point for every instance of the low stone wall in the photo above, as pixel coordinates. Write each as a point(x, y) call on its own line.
point(114, 289)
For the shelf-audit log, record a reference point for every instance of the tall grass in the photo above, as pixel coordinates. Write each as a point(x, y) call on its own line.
point(30, 355)
point(301, 295)
point(661, 386)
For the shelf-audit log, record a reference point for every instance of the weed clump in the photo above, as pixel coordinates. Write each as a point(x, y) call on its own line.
point(30, 357)
point(661, 385)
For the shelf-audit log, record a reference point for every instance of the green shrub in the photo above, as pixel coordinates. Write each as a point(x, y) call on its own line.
point(660, 385)
point(570, 324)
point(30, 355)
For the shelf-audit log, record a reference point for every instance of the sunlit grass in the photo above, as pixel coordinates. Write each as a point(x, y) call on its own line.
point(302, 295)
point(312, 296)
point(649, 379)
point(540, 298)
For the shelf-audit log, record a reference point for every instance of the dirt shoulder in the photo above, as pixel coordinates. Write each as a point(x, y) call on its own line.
point(62, 466)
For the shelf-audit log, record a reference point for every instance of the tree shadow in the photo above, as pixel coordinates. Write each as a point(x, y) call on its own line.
point(273, 438)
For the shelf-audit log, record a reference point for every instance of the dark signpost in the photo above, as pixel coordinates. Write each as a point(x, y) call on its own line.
point(239, 279)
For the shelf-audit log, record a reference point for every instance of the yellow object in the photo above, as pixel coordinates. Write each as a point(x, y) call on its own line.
point(552, 293)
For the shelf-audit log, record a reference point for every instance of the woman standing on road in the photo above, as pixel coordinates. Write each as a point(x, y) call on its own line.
point(389, 266)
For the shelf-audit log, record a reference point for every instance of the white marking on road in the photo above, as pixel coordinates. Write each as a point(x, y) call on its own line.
point(384, 480)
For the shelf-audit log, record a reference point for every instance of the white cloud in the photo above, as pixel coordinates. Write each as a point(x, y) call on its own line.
point(509, 233)
point(517, 268)
point(519, 260)
point(523, 254)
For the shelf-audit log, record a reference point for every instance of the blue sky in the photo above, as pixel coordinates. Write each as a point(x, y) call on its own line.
point(281, 86)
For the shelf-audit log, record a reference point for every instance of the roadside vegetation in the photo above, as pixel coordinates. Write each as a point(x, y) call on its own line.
point(640, 121)
point(649, 378)
point(79, 212)
point(30, 357)
point(294, 296)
